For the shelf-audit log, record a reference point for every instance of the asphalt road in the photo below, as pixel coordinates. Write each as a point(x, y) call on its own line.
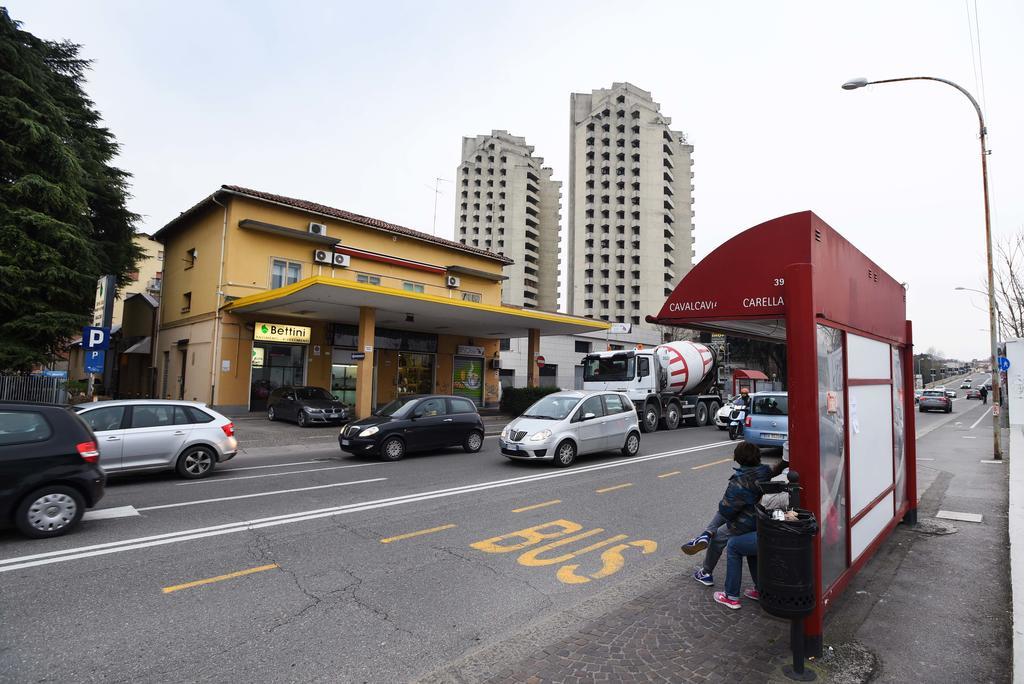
point(335, 589)
point(331, 567)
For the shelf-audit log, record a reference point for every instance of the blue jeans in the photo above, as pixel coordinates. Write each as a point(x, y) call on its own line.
point(736, 549)
point(719, 532)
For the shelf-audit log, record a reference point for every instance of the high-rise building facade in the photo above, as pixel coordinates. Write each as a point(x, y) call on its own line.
point(508, 204)
point(630, 205)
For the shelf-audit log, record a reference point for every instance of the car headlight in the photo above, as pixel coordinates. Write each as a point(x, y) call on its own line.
point(540, 436)
point(315, 410)
point(370, 431)
point(505, 432)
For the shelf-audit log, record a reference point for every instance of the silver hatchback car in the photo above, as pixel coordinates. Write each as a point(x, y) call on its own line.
point(564, 425)
point(150, 434)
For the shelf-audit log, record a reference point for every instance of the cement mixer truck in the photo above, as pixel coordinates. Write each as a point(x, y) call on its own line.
point(669, 384)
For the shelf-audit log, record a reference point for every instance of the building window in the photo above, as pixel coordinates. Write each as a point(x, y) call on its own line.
point(414, 287)
point(160, 255)
point(582, 347)
point(284, 273)
point(134, 276)
point(504, 344)
point(190, 258)
point(368, 279)
point(186, 302)
point(471, 297)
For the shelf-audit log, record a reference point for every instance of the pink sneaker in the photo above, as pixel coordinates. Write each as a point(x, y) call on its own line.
point(753, 594)
point(732, 603)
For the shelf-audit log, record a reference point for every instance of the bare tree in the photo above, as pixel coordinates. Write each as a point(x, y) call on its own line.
point(1009, 282)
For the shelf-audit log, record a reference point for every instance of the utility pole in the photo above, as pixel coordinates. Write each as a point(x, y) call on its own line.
point(437, 191)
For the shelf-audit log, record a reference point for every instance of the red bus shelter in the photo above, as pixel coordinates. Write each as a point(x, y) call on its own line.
point(850, 377)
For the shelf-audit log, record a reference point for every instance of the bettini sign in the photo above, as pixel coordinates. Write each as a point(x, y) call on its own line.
point(276, 332)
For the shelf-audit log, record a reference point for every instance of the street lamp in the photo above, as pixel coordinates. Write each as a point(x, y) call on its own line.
point(856, 83)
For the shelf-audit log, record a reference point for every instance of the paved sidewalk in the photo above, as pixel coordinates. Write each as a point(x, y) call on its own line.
point(933, 605)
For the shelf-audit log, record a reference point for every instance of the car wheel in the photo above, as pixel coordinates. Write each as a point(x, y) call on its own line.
point(565, 454)
point(196, 462)
point(701, 414)
point(270, 414)
point(922, 410)
point(301, 419)
point(949, 409)
point(649, 420)
point(474, 441)
point(671, 419)
point(393, 449)
point(632, 446)
point(49, 512)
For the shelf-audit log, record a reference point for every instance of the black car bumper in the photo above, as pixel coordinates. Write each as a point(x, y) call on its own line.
point(358, 445)
point(92, 483)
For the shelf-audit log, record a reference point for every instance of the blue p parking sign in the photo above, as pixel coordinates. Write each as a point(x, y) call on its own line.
point(94, 360)
point(95, 338)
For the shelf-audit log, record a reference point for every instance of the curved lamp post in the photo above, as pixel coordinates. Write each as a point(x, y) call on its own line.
point(856, 83)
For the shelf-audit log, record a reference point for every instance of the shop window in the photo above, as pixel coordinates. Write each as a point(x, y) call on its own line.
point(368, 279)
point(186, 302)
point(582, 347)
point(416, 287)
point(284, 273)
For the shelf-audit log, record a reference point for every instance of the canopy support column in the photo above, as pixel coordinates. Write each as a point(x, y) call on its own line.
point(532, 352)
point(364, 370)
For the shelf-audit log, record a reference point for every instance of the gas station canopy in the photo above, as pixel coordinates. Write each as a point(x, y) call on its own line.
point(336, 300)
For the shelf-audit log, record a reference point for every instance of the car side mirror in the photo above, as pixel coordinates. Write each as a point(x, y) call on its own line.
point(589, 416)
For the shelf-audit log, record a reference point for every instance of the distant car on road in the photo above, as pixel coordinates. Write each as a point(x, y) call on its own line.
point(951, 394)
point(722, 416)
point(767, 422)
point(966, 384)
point(305, 406)
point(49, 469)
point(187, 437)
point(974, 393)
point(415, 423)
point(935, 400)
point(564, 425)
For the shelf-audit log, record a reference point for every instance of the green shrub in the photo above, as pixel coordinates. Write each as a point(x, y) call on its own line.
point(515, 400)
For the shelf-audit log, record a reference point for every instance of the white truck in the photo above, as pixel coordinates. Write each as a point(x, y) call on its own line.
point(669, 384)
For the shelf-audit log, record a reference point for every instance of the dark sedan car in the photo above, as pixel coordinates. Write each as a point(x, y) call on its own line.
point(415, 423)
point(49, 469)
point(935, 400)
point(974, 393)
point(305, 405)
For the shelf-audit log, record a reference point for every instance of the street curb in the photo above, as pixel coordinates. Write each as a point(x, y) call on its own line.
point(1015, 511)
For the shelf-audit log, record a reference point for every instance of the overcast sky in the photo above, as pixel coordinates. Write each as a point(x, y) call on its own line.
point(362, 105)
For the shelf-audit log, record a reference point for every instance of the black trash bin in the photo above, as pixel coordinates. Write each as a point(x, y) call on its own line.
point(785, 564)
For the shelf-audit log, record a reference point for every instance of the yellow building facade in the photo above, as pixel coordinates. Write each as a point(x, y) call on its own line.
point(262, 290)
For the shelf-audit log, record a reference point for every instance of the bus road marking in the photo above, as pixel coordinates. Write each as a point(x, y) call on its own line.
point(534, 506)
point(410, 535)
point(612, 489)
point(218, 578)
point(713, 463)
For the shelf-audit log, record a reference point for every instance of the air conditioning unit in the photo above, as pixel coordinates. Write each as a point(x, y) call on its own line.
point(318, 229)
point(322, 256)
point(342, 260)
point(452, 281)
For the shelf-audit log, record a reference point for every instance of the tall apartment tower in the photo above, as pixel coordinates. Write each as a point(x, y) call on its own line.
point(630, 213)
point(509, 205)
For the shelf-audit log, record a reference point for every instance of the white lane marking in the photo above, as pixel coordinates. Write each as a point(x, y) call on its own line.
point(957, 515)
point(991, 460)
point(274, 465)
point(252, 496)
point(215, 480)
point(926, 459)
point(109, 513)
point(989, 410)
point(967, 437)
point(49, 557)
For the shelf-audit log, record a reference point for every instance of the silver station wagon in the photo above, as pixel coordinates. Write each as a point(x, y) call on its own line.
point(564, 425)
point(149, 435)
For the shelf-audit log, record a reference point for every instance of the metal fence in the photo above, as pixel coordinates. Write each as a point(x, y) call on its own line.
point(33, 388)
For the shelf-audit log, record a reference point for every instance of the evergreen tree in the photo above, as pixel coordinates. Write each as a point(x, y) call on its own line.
point(64, 220)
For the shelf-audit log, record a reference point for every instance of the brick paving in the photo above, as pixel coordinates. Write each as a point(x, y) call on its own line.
point(674, 633)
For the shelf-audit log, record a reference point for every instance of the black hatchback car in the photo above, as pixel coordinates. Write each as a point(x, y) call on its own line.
point(415, 423)
point(306, 406)
point(49, 469)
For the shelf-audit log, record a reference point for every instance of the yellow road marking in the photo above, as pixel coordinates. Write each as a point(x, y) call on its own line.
point(218, 578)
point(708, 465)
point(674, 472)
point(540, 505)
point(388, 540)
point(611, 489)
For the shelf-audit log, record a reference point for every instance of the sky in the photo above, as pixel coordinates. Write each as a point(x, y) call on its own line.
point(363, 105)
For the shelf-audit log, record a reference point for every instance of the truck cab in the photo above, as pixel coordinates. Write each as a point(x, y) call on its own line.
point(630, 372)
